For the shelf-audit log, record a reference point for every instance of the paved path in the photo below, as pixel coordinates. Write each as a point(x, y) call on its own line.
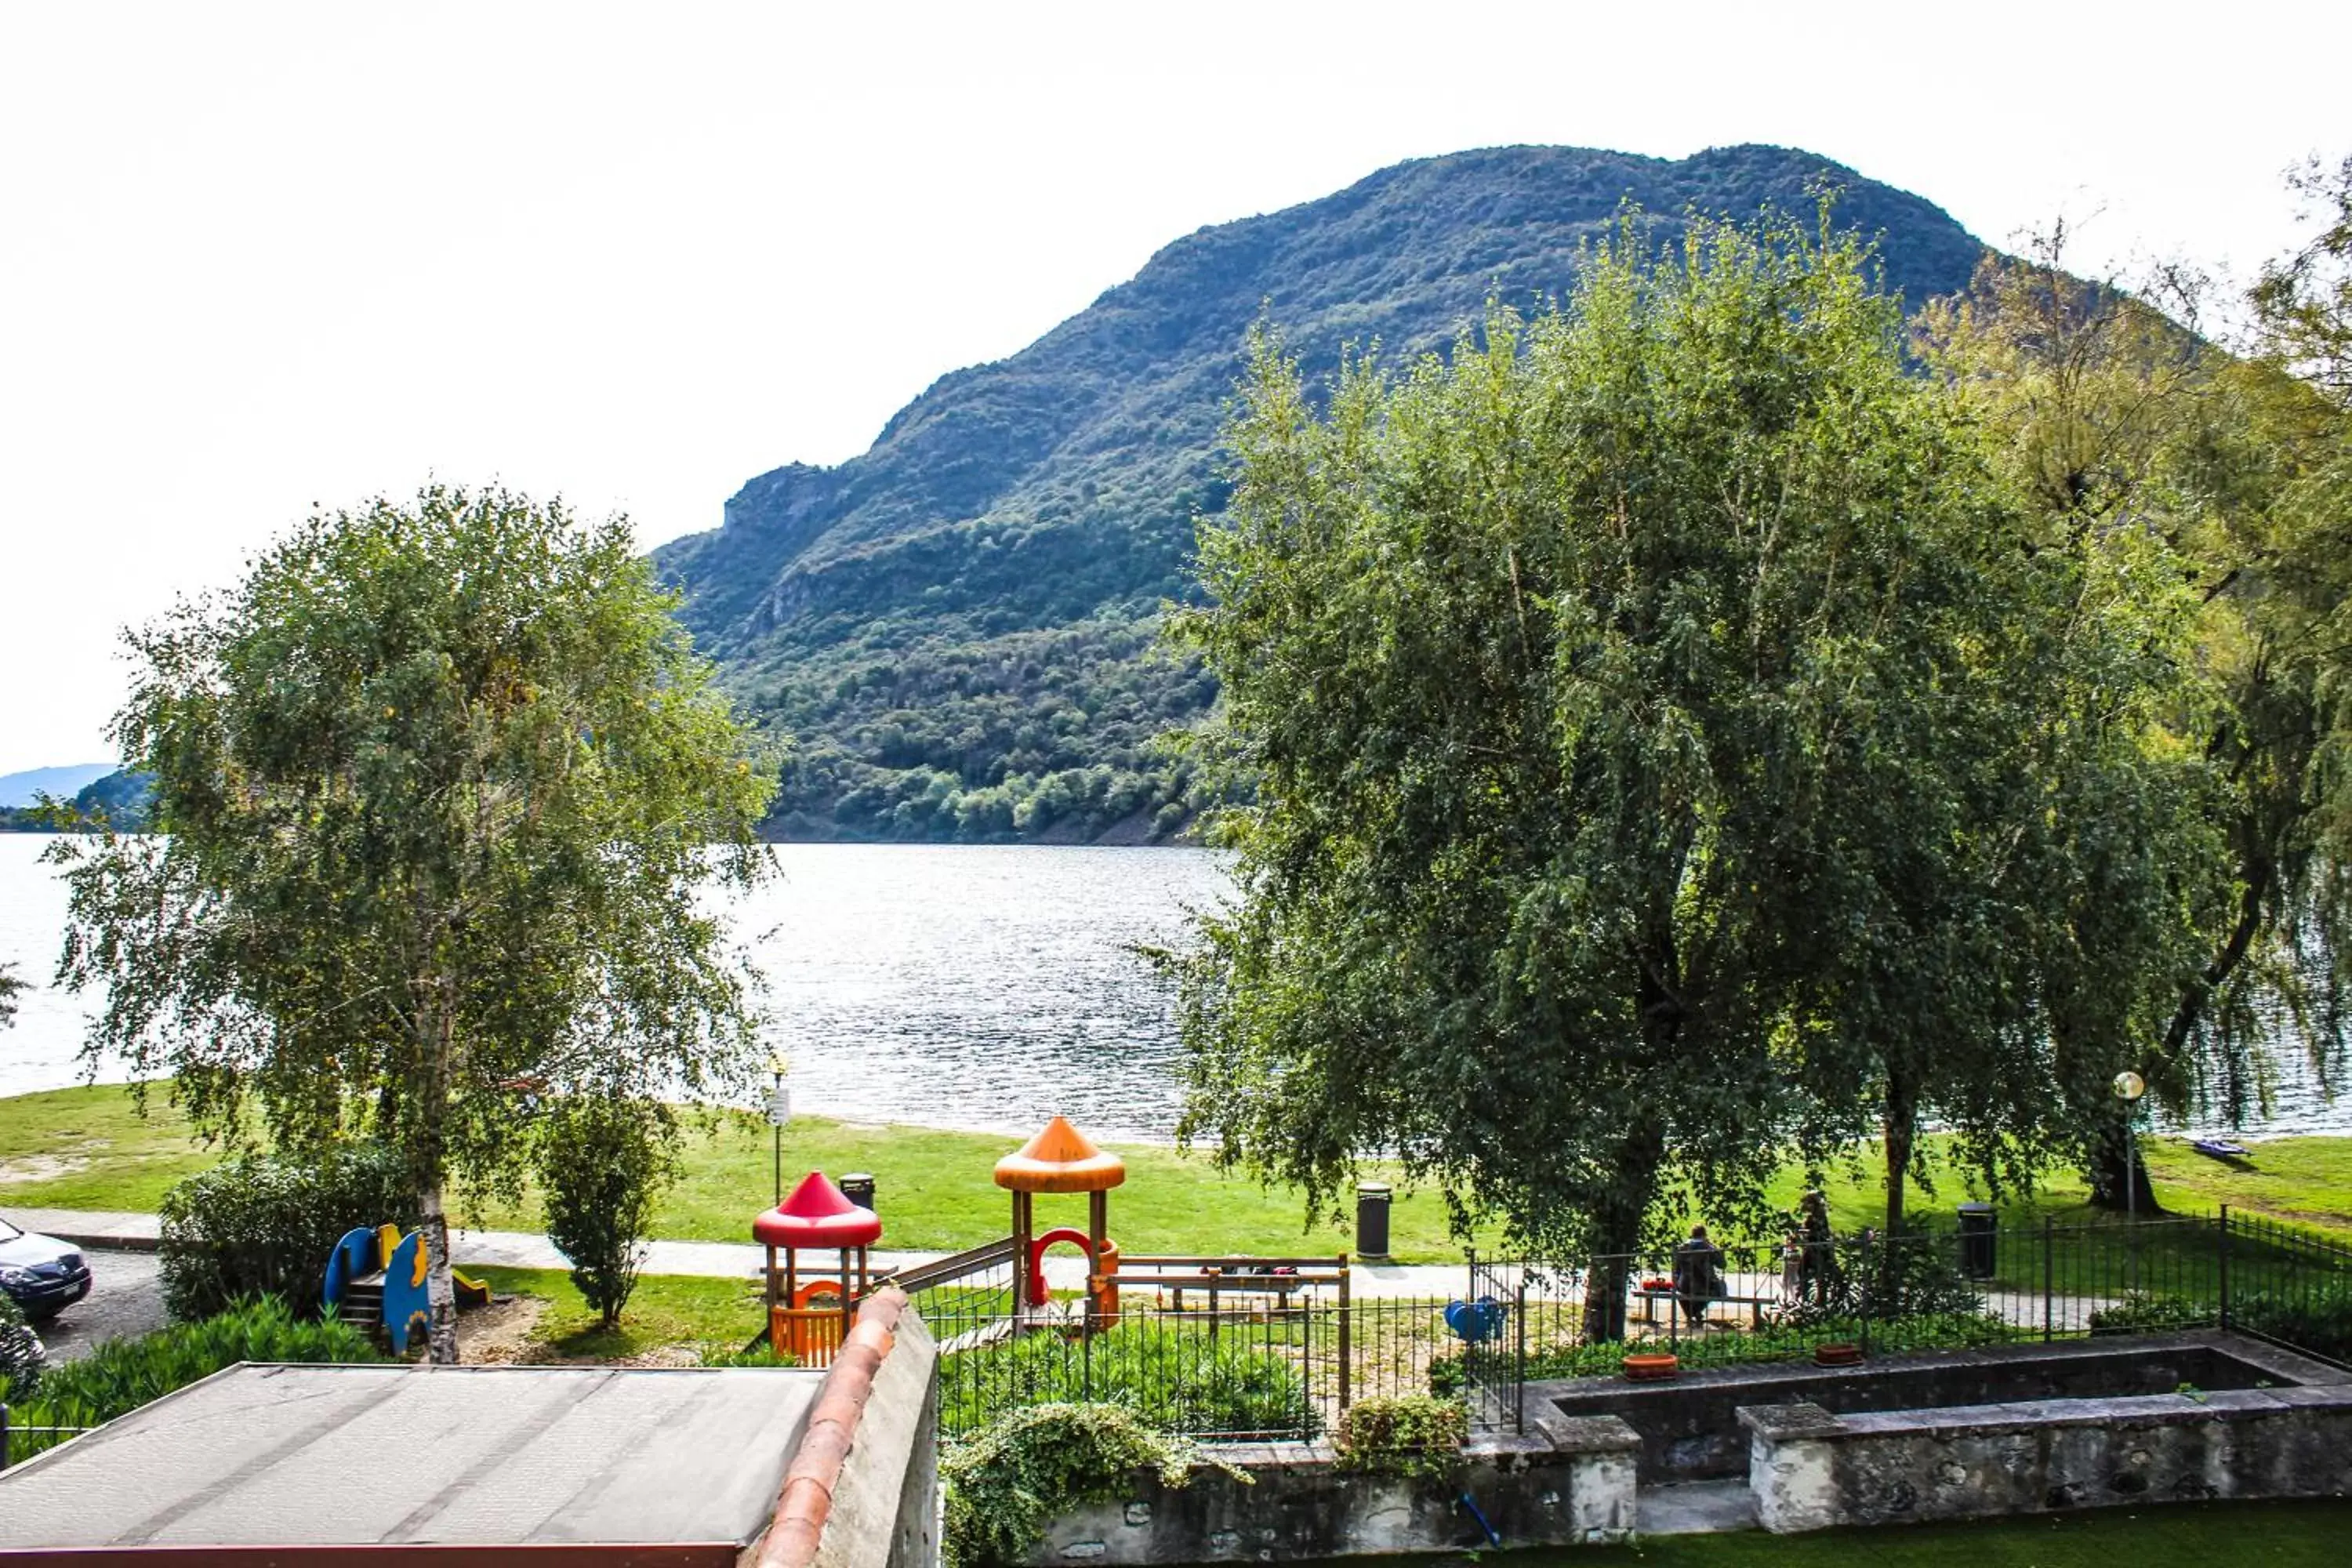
point(126, 1299)
point(1064, 1269)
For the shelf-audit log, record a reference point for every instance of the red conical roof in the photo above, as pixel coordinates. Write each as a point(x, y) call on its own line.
point(817, 1214)
point(1060, 1158)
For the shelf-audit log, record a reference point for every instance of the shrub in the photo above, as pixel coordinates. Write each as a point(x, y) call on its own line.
point(2140, 1313)
point(21, 1356)
point(1793, 1339)
point(265, 1225)
point(603, 1163)
point(1415, 1435)
point(756, 1355)
point(1011, 1480)
point(1172, 1373)
point(2319, 1320)
point(121, 1375)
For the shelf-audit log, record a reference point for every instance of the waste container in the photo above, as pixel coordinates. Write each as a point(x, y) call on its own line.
point(1978, 1237)
point(1373, 1219)
point(858, 1188)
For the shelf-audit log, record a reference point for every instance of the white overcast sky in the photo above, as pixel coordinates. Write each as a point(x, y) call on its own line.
point(253, 257)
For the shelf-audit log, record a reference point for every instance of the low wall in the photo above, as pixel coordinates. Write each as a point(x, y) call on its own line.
point(1690, 1427)
point(1570, 1482)
point(1810, 1469)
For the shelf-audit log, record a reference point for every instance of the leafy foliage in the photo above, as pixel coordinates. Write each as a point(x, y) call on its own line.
point(121, 1375)
point(1005, 1485)
point(1413, 1435)
point(958, 623)
point(266, 1224)
point(22, 1357)
point(436, 790)
point(603, 1166)
point(1665, 699)
point(12, 986)
point(1792, 1338)
point(1176, 1376)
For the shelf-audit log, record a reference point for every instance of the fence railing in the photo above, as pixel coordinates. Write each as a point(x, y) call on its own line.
point(1216, 1351)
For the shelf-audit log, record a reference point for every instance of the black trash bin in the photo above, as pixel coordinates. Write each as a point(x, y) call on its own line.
point(1978, 1237)
point(858, 1188)
point(1373, 1219)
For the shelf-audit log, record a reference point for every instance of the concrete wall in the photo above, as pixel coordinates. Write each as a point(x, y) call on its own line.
point(886, 1506)
point(1690, 1427)
point(1810, 1469)
point(1570, 1482)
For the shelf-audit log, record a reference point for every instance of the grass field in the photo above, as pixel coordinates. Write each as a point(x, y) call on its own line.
point(86, 1148)
point(666, 1310)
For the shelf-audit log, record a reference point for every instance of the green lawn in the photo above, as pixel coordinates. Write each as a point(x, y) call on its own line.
point(85, 1148)
point(666, 1309)
point(2179, 1535)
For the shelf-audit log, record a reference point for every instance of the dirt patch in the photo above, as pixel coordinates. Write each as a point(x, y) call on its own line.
point(29, 1168)
point(505, 1331)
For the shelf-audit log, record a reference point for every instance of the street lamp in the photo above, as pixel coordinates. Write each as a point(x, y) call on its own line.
point(2129, 1086)
point(780, 1112)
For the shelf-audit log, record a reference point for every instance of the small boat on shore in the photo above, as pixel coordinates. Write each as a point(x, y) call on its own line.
point(2220, 1149)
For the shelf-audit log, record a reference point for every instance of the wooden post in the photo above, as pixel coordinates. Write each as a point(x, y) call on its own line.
point(772, 1274)
point(1345, 1337)
point(848, 1299)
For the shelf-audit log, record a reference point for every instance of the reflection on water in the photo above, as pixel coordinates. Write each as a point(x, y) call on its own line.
point(946, 985)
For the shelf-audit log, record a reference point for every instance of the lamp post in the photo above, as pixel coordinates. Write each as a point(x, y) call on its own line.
point(780, 1113)
point(2129, 1087)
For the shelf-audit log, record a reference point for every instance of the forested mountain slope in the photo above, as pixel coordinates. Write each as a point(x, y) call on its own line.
point(958, 626)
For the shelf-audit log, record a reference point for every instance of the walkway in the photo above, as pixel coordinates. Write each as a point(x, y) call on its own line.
point(1066, 1269)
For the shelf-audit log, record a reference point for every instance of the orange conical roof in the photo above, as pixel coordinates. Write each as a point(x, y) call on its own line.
point(817, 1214)
point(1060, 1158)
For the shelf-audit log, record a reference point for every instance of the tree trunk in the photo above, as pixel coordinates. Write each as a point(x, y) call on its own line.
point(1617, 1233)
point(440, 1285)
point(1900, 1128)
point(2107, 1166)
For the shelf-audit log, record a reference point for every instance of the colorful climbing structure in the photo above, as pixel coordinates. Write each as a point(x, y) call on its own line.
point(809, 1317)
point(1061, 1158)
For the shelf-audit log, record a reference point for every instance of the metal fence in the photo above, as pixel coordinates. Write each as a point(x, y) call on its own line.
point(1239, 1348)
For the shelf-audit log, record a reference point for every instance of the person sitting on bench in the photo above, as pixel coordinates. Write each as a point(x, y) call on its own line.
point(1698, 1275)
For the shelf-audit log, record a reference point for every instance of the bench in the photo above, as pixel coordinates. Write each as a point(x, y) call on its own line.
point(1756, 1305)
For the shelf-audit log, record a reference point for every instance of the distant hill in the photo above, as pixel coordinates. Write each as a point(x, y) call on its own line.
point(958, 626)
point(63, 783)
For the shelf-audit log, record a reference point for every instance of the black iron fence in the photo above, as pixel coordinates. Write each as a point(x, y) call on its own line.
point(1242, 1348)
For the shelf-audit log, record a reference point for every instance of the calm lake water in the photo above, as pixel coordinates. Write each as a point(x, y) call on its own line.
point(941, 985)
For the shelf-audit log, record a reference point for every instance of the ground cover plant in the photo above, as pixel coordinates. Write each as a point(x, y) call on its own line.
point(1007, 1482)
point(1179, 1376)
point(122, 1375)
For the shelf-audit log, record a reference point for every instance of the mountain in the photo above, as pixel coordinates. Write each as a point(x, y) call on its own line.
point(958, 626)
point(63, 783)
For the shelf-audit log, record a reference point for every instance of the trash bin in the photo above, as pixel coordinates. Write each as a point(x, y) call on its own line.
point(1373, 1219)
point(1979, 1236)
point(858, 1188)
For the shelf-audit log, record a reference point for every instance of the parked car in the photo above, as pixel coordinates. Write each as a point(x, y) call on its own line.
point(43, 1275)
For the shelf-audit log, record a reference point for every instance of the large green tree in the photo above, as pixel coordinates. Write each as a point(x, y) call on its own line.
point(1658, 717)
point(437, 788)
point(2121, 424)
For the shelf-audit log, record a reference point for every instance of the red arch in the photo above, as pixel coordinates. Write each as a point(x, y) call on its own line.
point(1037, 1257)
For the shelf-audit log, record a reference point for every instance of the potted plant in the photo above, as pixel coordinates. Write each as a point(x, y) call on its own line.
point(1651, 1366)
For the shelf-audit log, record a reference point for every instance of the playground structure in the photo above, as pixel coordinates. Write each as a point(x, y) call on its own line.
point(375, 1279)
point(1061, 1158)
point(809, 1318)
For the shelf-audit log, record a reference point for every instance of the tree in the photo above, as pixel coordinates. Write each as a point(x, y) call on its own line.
point(1595, 684)
point(436, 788)
point(12, 986)
point(603, 1164)
point(2122, 425)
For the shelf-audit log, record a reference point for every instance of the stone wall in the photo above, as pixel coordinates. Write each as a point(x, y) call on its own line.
point(1690, 1427)
point(1570, 1482)
point(1810, 1469)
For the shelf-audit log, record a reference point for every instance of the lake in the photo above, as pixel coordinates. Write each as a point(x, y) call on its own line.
point(944, 985)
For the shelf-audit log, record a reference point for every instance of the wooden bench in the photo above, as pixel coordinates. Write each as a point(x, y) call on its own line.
point(1756, 1305)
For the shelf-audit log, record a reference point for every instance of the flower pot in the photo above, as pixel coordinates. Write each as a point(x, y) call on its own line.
point(1650, 1368)
point(1837, 1355)
point(1661, 1286)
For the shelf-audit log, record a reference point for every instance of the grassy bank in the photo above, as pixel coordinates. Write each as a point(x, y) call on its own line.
point(86, 1148)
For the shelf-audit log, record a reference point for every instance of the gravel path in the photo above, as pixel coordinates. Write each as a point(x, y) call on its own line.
point(126, 1296)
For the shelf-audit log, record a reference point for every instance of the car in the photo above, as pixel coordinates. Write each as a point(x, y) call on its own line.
point(43, 1275)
